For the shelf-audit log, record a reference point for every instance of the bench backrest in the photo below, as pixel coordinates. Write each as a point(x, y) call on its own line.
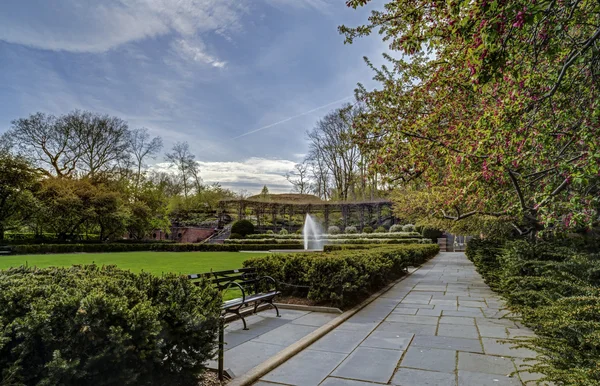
point(247, 278)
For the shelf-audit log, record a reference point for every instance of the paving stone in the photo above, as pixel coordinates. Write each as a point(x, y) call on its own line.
point(413, 377)
point(427, 312)
point(520, 333)
point(388, 340)
point(448, 343)
point(469, 378)
point(493, 347)
point(257, 325)
point(458, 331)
point(358, 324)
point(340, 341)
point(406, 311)
point(317, 319)
point(264, 383)
point(286, 335)
point(429, 320)
point(527, 377)
point(233, 339)
point(457, 320)
point(485, 363)
point(462, 313)
point(415, 305)
point(440, 302)
point(307, 368)
point(369, 364)
point(285, 314)
point(465, 303)
point(429, 359)
point(416, 299)
point(244, 357)
point(498, 332)
point(407, 328)
point(333, 381)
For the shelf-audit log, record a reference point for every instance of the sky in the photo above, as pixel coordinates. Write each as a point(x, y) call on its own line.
point(240, 80)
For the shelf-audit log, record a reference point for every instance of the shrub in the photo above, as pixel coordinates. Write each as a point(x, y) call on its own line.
point(556, 289)
point(432, 233)
point(333, 230)
point(283, 232)
point(270, 232)
point(350, 230)
point(408, 228)
point(343, 277)
point(380, 229)
point(242, 227)
point(89, 325)
point(298, 232)
point(367, 229)
point(396, 228)
point(235, 236)
point(419, 229)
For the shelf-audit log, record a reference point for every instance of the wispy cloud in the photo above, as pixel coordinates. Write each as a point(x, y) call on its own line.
point(195, 50)
point(86, 26)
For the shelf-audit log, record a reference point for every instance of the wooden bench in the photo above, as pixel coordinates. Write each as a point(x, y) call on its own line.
point(255, 289)
point(5, 250)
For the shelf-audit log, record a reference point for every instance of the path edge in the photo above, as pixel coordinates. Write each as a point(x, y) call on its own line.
point(278, 359)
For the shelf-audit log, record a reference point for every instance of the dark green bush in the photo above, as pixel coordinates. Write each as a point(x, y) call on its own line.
point(431, 233)
point(380, 229)
point(555, 287)
point(367, 229)
point(235, 236)
point(343, 277)
point(104, 326)
point(243, 228)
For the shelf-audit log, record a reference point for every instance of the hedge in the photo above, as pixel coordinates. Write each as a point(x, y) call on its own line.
point(556, 289)
point(330, 241)
point(341, 278)
point(90, 325)
point(397, 235)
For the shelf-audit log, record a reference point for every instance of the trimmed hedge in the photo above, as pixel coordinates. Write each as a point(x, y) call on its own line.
point(90, 325)
point(330, 241)
point(556, 289)
point(242, 227)
point(397, 235)
point(342, 278)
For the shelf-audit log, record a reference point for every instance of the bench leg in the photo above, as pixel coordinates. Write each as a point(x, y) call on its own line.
point(243, 321)
point(255, 306)
point(276, 309)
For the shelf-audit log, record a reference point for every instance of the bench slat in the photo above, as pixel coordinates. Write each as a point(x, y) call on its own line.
point(251, 299)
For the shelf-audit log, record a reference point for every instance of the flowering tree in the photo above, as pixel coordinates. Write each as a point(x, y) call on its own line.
point(492, 108)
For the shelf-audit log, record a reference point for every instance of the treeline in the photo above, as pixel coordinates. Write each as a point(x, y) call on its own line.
point(85, 175)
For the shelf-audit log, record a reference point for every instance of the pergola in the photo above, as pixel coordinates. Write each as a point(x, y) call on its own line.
point(366, 211)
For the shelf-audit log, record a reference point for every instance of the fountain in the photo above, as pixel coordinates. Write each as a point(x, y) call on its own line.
point(312, 234)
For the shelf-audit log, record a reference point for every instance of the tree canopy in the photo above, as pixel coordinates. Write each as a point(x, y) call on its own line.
point(489, 108)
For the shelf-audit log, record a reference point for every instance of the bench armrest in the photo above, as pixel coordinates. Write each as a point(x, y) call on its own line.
point(268, 278)
point(239, 286)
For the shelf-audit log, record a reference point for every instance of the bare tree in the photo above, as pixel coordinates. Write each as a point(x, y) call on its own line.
point(183, 160)
point(332, 146)
point(299, 178)
point(48, 142)
point(101, 141)
point(141, 147)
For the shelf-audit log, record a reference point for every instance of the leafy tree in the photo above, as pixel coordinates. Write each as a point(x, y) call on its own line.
point(491, 108)
point(18, 179)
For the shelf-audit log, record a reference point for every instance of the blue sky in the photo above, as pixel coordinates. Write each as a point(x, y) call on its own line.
point(201, 71)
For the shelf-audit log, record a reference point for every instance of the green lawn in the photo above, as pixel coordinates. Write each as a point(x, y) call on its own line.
point(152, 262)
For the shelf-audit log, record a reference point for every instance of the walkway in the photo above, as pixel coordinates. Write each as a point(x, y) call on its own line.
point(439, 327)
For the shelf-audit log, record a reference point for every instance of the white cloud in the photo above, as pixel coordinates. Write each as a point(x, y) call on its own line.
point(195, 50)
point(250, 174)
point(88, 26)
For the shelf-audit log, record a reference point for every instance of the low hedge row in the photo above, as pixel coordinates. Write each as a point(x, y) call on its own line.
point(397, 235)
point(329, 241)
point(556, 288)
point(91, 248)
point(89, 325)
point(341, 278)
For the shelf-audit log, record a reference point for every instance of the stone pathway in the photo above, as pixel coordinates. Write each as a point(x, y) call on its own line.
point(440, 326)
point(266, 336)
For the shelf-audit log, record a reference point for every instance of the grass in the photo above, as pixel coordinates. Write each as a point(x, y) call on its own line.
point(152, 262)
